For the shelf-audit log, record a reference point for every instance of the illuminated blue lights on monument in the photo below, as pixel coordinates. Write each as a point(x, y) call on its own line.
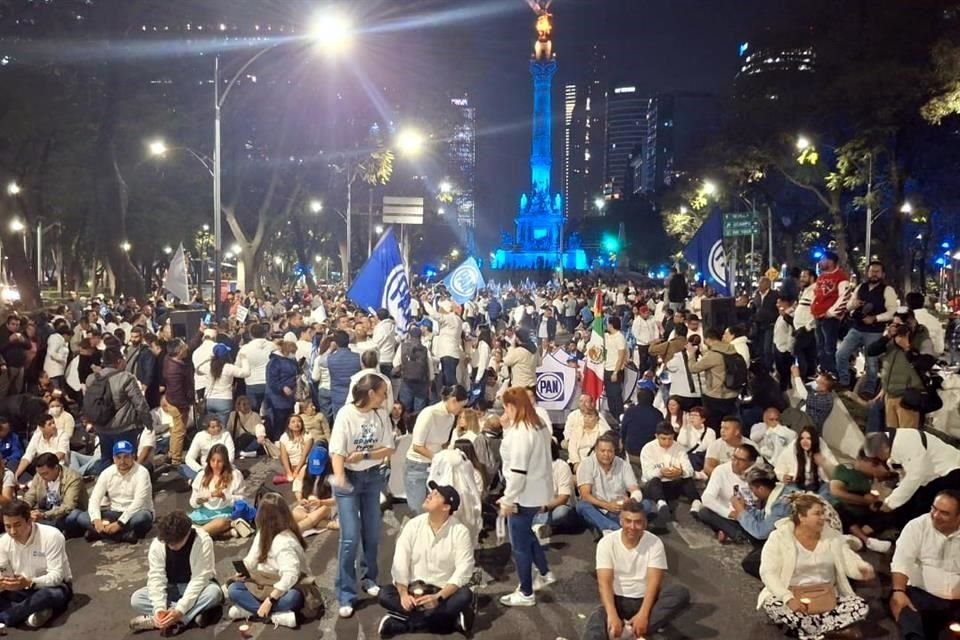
point(538, 242)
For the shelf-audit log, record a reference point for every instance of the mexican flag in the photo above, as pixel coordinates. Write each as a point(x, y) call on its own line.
point(596, 351)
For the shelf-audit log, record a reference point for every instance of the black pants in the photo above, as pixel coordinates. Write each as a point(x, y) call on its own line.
point(717, 410)
point(751, 562)
point(919, 504)
point(658, 489)
point(643, 357)
point(805, 348)
point(783, 360)
point(441, 620)
point(932, 616)
point(672, 599)
point(614, 391)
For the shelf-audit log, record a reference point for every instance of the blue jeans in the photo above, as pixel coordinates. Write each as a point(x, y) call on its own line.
point(415, 482)
point(83, 464)
point(596, 519)
point(140, 523)
point(292, 600)
point(187, 472)
point(562, 517)
point(448, 370)
point(828, 331)
point(16, 606)
point(413, 395)
point(221, 409)
point(526, 548)
point(256, 392)
point(360, 521)
point(210, 597)
point(853, 342)
point(325, 404)
point(107, 440)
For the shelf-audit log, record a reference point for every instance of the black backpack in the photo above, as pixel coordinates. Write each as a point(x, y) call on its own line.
point(414, 362)
point(735, 378)
point(98, 405)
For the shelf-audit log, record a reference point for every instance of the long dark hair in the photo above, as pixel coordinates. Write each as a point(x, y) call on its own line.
point(273, 518)
point(226, 477)
point(801, 480)
point(466, 447)
point(366, 384)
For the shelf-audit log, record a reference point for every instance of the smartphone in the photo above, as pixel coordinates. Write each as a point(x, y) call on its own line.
point(207, 319)
point(736, 490)
point(241, 568)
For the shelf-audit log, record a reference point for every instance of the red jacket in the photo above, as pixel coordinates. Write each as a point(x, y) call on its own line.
point(831, 295)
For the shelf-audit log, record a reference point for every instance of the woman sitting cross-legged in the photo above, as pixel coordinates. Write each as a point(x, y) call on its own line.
point(805, 567)
point(317, 508)
point(275, 564)
point(214, 492)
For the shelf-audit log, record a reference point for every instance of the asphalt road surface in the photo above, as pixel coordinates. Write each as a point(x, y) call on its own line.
point(723, 597)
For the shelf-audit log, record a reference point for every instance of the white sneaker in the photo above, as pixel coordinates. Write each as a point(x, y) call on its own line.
point(373, 590)
point(242, 528)
point(542, 533)
point(236, 613)
point(248, 454)
point(284, 619)
point(543, 581)
point(853, 542)
point(695, 506)
point(517, 599)
point(142, 623)
point(40, 618)
point(345, 611)
point(880, 546)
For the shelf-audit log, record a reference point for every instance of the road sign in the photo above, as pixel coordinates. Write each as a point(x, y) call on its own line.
point(402, 210)
point(742, 223)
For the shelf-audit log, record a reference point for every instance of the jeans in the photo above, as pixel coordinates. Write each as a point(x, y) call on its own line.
point(292, 600)
point(83, 464)
point(415, 482)
point(221, 408)
point(597, 519)
point(671, 600)
point(187, 472)
point(527, 551)
point(16, 606)
point(805, 349)
point(256, 392)
point(210, 597)
point(440, 620)
point(140, 523)
point(107, 440)
point(360, 520)
point(828, 331)
point(61, 522)
point(730, 527)
point(562, 517)
point(614, 392)
point(413, 395)
point(763, 339)
point(325, 404)
point(853, 342)
point(448, 370)
point(932, 616)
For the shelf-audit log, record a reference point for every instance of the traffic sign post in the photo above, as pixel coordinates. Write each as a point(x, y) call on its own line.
point(740, 224)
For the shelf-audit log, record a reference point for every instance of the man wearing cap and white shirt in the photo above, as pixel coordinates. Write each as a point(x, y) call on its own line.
point(125, 490)
point(36, 579)
point(432, 568)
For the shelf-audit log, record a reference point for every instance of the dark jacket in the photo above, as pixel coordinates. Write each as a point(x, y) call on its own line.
point(132, 411)
point(639, 427)
point(14, 353)
point(281, 372)
point(11, 449)
point(677, 289)
point(341, 364)
point(897, 373)
point(764, 308)
point(178, 380)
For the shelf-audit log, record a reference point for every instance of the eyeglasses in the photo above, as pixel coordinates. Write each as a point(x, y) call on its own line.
point(739, 459)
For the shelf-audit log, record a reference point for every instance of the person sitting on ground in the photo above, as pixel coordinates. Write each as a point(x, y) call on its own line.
point(583, 439)
point(45, 439)
point(246, 427)
point(557, 514)
point(432, 568)
point(771, 436)
point(315, 424)
point(11, 449)
point(808, 464)
point(818, 404)
point(213, 433)
point(721, 450)
point(586, 406)
point(604, 481)
point(695, 438)
point(631, 568)
point(851, 490)
point(8, 484)
point(805, 566)
point(182, 584)
point(36, 584)
point(925, 571)
point(316, 509)
point(728, 481)
point(294, 447)
point(275, 564)
point(125, 489)
point(667, 473)
point(214, 492)
point(56, 494)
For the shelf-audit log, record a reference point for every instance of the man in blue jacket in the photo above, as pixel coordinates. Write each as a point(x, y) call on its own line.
point(11, 449)
point(281, 376)
point(342, 363)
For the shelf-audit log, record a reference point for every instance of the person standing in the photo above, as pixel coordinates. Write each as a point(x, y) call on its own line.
point(805, 327)
point(342, 364)
point(385, 340)
point(178, 396)
point(677, 290)
point(829, 307)
point(257, 354)
point(448, 345)
point(58, 352)
point(871, 308)
point(646, 332)
point(431, 433)
point(613, 364)
point(281, 386)
point(718, 399)
point(764, 305)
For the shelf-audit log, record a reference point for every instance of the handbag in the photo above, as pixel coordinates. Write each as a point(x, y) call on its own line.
point(818, 598)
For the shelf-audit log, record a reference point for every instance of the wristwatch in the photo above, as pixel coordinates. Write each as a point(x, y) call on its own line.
point(274, 601)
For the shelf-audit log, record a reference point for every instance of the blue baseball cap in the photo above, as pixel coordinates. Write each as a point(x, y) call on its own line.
point(221, 351)
point(317, 460)
point(122, 447)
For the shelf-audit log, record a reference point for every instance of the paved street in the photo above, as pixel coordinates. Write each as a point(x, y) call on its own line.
point(724, 598)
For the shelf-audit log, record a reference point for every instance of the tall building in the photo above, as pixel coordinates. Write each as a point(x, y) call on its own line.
point(777, 65)
point(625, 135)
point(463, 151)
point(678, 126)
point(569, 105)
point(587, 139)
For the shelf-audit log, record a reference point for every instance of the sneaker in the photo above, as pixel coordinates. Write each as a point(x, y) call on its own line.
point(391, 625)
point(345, 611)
point(663, 513)
point(129, 537)
point(142, 623)
point(695, 506)
point(879, 546)
point(543, 581)
point(40, 618)
point(236, 613)
point(853, 542)
point(517, 599)
point(91, 535)
point(207, 617)
point(284, 619)
point(372, 589)
point(542, 532)
point(248, 454)
point(242, 528)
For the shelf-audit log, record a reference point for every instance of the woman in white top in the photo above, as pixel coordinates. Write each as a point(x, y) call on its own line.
point(64, 419)
point(361, 440)
point(294, 447)
point(431, 433)
point(528, 470)
point(448, 342)
point(480, 358)
point(695, 437)
point(675, 414)
point(214, 492)
point(805, 567)
point(808, 464)
point(277, 549)
point(584, 437)
point(58, 352)
point(213, 433)
point(219, 393)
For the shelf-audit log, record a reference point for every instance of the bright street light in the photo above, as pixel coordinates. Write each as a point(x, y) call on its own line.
point(125, 246)
point(157, 148)
point(13, 189)
point(446, 187)
point(956, 256)
point(440, 211)
point(332, 31)
point(205, 227)
point(235, 249)
point(378, 229)
point(315, 206)
point(454, 253)
point(709, 188)
point(277, 260)
point(803, 143)
point(906, 207)
point(599, 203)
point(168, 249)
point(410, 142)
point(317, 258)
point(683, 209)
point(228, 255)
point(16, 225)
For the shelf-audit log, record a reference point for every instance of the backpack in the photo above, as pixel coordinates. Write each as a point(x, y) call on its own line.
point(735, 377)
point(98, 405)
point(414, 362)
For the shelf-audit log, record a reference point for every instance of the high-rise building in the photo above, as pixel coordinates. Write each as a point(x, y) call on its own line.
point(678, 125)
point(569, 105)
point(775, 68)
point(463, 152)
point(625, 135)
point(587, 139)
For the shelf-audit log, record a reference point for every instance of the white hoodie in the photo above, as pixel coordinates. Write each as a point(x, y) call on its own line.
point(257, 353)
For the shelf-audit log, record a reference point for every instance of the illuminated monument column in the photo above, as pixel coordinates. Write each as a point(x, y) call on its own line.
point(539, 222)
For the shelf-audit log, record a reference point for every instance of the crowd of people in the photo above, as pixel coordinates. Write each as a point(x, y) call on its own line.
point(731, 417)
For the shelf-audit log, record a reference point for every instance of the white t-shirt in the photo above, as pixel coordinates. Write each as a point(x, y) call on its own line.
point(432, 430)
point(614, 344)
point(354, 430)
point(9, 480)
point(562, 479)
point(296, 450)
point(720, 450)
point(630, 565)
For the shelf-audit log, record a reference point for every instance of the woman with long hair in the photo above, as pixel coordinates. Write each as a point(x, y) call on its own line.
point(468, 426)
point(805, 566)
point(529, 487)
point(808, 464)
point(276, 553)
point(317, 508)
point(431, 434)
point(213, 434)
point(294, 446)
point(214, 492)
point(360, 443)
point(675, 414)
point(219, 393)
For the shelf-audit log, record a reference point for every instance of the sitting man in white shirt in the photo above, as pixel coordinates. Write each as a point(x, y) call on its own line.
point(605, 481)
point(432, 568)
point(556, 514)
point(125, 490)
point(728, 483)
point(731, 437)
point(181, 579)
point(631, 564)
point(36, 582)
point(925, 571)
point(771, 436)
point(667, 473)
point(45, 439)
